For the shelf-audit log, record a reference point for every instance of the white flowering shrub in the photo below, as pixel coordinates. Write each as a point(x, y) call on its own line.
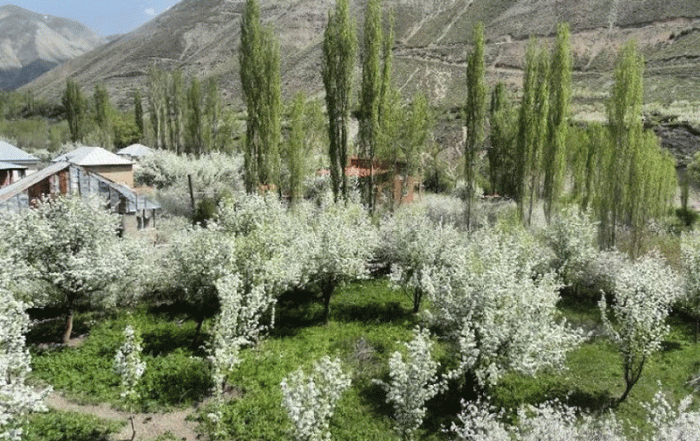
point(70, 244)
point(197, 258)
point(267, 237)
point(16, 397)
point(338, 243)
point(237, 325)
point(413, 383)
point(553, 421)
point(643, 291)
point(128, 364)
point(572, 235)
point(310, 400)
point(673, 424)
point(550, 421)
point(492, 301)
point(412, 243)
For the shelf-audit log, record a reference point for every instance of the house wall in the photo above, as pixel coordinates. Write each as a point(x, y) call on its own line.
point(122, 174)
point(5, 178)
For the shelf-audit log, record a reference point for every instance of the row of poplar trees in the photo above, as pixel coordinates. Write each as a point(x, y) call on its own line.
point(616, 169)
point(390, 129)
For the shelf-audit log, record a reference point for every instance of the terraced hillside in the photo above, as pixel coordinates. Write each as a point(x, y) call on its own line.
point(202, 37)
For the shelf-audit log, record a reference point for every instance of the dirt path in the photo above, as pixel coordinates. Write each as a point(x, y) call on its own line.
point(148, 425)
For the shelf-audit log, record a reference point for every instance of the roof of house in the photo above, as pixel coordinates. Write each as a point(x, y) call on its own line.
point(23, 184)
point(136, 150)
point(11, 154)
point(89, 156)
point(10, 166)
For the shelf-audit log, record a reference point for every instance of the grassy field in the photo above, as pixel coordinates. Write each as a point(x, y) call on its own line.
point(369, 321)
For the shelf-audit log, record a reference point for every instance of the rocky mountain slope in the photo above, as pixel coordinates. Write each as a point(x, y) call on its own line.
point(202, 37)
point(31, 44)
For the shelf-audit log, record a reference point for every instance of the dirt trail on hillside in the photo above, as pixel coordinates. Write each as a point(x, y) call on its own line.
point(148, 425)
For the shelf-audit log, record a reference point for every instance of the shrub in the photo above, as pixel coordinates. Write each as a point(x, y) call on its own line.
point(310, 399)
point(69, 426)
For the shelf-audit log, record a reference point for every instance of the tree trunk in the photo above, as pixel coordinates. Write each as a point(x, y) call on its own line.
point(417, 297)
point(69, 325)
point(327, 292)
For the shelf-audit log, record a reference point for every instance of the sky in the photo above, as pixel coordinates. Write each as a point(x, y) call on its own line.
point(105, 17)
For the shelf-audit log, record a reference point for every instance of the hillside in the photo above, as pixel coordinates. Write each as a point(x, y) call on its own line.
point(202, 37)
point(31, 44)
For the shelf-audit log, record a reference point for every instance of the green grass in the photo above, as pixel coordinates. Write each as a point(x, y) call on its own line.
point(369, 321)
point(69, 426)
point(176, 375)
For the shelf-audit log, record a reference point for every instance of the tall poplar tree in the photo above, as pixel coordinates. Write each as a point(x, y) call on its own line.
point(370, 92)
point(259, 70)
point(475, 113)
point(532, 127)
point(297, 151)
point(501, 155)
point(639, 179)
point(103, 114)
point(76, 110)
point(195, 141)
point(559, 98)
point(138, 112)
point(212, 115)
point(157, 105)
point(339, 47)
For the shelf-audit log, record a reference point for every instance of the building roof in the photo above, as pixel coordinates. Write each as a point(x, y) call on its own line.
point(13, 155)
point(9, 166)
point(90, 156)
point(136, 151)
point(23, 184)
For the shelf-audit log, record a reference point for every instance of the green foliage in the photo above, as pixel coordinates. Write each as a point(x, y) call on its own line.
point(298, 150)
point(557, 120)
point(337, 67)
point(638, 175)
point(260, 79)
point(75, 107)
point(532, 127)
point(125, 131)
point(501, 154)
point(69, 426)
point(138, 113)
point(475, 114)
point(103, 115)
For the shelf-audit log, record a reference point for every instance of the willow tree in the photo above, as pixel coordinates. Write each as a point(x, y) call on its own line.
point(554, 157)
point(475, 113)
point(338, 61)
point(260, 80)
point(532, 127)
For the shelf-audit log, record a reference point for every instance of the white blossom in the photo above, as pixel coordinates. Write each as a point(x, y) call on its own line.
point(16, 397)
point(310, 400)
point(572, 236)
point(413, 383)
point(412, 244)
point(644, 292)
point(128, 364)
point(492, 301)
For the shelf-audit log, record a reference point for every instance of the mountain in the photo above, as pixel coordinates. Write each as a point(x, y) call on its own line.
point(31, 44)
point(202, 36)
